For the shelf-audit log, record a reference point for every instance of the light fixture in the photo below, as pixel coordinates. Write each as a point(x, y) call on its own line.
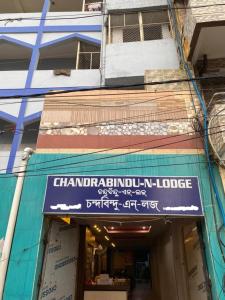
point(106, 237)
point(188, 240)
point(95, 226)
point(113, 245)
point(131, 230)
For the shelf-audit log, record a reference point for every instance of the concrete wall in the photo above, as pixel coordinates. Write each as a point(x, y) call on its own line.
point(210, 42)
point(209, 13)
point(46, 78)
point(32, 19)
point(127, 62)
point(133, 4)
point(78, 78)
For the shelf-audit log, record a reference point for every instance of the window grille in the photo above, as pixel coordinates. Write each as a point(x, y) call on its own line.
point(89, 60)
point(152, 32)
point(131, 34)
point(89, 57)
point(134, 27)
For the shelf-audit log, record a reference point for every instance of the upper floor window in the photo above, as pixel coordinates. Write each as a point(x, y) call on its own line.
point(69, 55)
point(142, 26)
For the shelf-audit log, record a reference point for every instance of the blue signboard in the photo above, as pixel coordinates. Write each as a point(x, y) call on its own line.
point(123, 195)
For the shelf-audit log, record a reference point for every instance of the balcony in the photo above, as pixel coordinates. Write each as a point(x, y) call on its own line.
point(21, 20)
point(203, 29)
point(137, 42)
point(64, 64)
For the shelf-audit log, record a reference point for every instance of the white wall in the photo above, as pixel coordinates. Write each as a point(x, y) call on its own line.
point(211, 41)
point(18, 23)
point(78, 78)
point(13, 79)
point(78, 18)
point(130, 60)
point(132, 4)
point(33, 19)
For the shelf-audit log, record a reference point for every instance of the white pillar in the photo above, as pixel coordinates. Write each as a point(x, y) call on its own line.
point(4, 261)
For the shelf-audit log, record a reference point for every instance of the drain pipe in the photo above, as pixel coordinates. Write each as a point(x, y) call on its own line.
point(4, 261)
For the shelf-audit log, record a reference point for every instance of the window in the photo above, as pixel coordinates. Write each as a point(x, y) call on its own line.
point(134, 27)
point(89, 57)
point(69, 55)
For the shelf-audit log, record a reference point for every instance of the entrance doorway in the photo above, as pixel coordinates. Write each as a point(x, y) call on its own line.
point(126, 259)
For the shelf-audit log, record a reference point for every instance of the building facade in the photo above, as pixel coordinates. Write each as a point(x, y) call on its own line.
point(132, 109)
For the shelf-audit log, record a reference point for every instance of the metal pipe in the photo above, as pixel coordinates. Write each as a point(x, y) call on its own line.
point(141, 28)
point(12, 220)
point(78, 55)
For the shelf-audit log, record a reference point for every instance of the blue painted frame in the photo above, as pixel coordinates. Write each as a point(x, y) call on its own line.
point(76, 36)
point(31, 91)
point(52, 28)
point(7, 117)
point(32, 67)
point(15, 41)
point(32, 118)
point(22, 120)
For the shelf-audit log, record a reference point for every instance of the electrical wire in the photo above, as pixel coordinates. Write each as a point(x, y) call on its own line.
point(121, 147)
point(205, 126)
point(117, 169)
point(96, 14)
point(111, 87)
point(97, 106)
point(116, 94)
point(204, 110)
point(115, 148)
point(58, 167)
point(105, 106)
point(110, 122)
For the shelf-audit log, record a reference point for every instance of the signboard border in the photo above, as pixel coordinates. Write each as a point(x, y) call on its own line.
point(124, 214)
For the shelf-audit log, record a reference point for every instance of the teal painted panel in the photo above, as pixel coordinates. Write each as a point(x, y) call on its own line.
point(27, 250)
point(7, 187)
point(27, 242)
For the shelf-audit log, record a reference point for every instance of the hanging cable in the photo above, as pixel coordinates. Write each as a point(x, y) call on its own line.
point(204, 110)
